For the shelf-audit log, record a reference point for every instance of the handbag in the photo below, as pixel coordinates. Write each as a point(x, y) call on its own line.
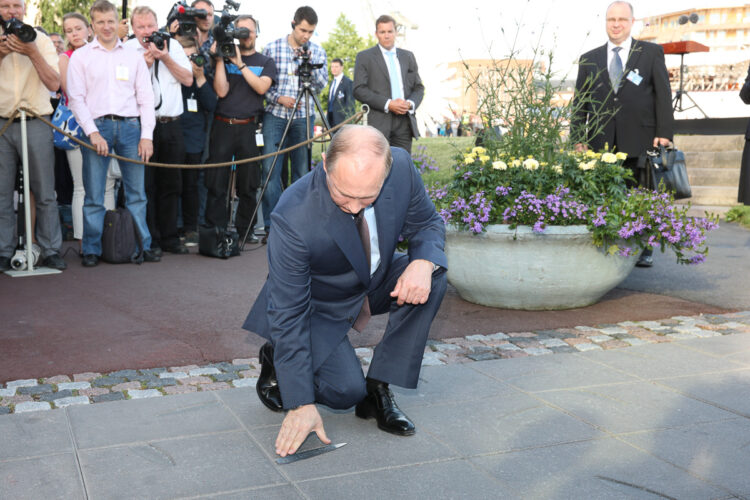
point(65, 120)
point(667, 166)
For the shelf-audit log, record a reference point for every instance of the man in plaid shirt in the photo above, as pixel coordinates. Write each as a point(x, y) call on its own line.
point(280, 100)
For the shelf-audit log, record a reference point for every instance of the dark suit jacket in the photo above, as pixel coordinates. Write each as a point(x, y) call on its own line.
point(745, 96)
point(318, 274)
point(341, 106)
point(642, 111)
point(372, 86)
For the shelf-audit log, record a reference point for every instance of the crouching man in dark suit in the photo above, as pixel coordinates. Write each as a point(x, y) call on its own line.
point(627, 97)
point(332, 263)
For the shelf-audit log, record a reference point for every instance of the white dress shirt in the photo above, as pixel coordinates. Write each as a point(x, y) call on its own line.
point(372, 227)
point(624, 53)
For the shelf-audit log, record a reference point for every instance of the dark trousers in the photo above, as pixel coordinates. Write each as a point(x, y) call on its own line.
point(400, 135)
point(190, 198)
point(339, 382)
point(232, 142)
point(164, 185)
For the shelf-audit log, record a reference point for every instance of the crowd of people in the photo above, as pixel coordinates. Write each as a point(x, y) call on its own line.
point(175, 95)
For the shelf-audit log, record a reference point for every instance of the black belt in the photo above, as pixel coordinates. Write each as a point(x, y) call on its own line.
point(167, 119)
point(115, 117)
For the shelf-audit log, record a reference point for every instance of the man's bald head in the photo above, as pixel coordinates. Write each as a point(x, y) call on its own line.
point(357, 164)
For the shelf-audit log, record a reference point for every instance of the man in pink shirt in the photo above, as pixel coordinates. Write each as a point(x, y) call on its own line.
point(110, 93)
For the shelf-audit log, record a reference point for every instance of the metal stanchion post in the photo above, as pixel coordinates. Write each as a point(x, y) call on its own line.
point(29, 271)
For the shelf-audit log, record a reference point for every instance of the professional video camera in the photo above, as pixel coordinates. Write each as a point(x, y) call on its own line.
point(185, 16)
point(158, 38)
point(305, 68)
point(225, 33)
point(24, 32)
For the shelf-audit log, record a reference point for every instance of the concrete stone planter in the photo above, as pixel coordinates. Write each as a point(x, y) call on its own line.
point(520, 269)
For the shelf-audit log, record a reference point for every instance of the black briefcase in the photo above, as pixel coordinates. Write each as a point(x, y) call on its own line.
point(667, 166)
point(217, 242)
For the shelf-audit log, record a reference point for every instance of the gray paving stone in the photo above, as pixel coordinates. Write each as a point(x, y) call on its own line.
point(51, 396)
point(537, 351)
point(634, 341)
point(28, 382)
point(727, 390)
point(223, 366)
point(53, 476)
point(32, 434)
point(237, 368)
point(612, 330)
point(444, 347)
point(600, 338)
point(123, 422)
point(110, 396)
point(170, 468)
point(588, 347)
point(175, 375)
point(153, 371)
point(36, 389)
point(563, 349)
point(108, 381)
point(562, 371)
point(144, 393)
point(476, 338)
point(73, 386)
point(716, 452)
point(70, 401)
point(161, 382)
point(204, 371)
point(283, 492)
point(508, 347)
point(508, 422)
point(602, 468)
point(433, 359)
point(497, 336)
point(127, 374)
point(633, 406)
point(28, 406)
point(483, 356)
point(552, 342)
point(245, 382)
point(434, 481)
point(225, 377)
point(552, 334)
point(6, 393)
point(244, 403)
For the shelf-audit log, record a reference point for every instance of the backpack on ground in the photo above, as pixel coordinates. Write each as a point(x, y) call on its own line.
point(120, 239)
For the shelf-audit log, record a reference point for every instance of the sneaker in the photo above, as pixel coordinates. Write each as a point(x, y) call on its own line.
point(179, 249)
point(55, 262)
point(191, 238)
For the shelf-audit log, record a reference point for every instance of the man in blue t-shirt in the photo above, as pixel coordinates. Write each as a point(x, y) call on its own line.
point(240, 85)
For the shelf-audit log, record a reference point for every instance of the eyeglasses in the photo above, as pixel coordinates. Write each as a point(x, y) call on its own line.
point(622, 20)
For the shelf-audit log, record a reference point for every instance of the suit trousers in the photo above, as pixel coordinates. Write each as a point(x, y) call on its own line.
point(339, 382)
point(41, 183)
point(164, 185)
point(400, 135)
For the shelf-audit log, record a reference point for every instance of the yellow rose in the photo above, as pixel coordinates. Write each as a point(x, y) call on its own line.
point(620, 155)
point(515, 163)
point(499, 165)
point(468, 159)
point(558, 169)
point(590, 154)
point(484, 158)
point(479, 150)
point(609, 158)
point(530, 164)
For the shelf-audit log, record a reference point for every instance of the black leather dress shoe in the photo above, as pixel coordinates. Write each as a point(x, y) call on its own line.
point(645, 261)
point(179, 249)
point(151, 256)
point(54, 261)
point(379, 403)
point(267, 386)
point(90, 260)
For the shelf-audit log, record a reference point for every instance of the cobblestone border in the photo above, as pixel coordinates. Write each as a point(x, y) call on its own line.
point(19, 396)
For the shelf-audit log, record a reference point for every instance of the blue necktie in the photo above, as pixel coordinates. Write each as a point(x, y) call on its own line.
point(615, 69)
point(395, 83)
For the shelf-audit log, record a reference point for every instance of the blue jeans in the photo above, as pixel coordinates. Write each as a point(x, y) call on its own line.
point(123, 137)
point(273, 129)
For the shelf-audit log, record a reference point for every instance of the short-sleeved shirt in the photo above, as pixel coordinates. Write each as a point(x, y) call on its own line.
point(242, 101)
point(20, 84)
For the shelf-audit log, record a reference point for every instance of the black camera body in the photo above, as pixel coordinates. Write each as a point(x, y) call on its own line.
point(305, 68)
point(224, 33)
point(24, 32)
point(185, 17)
point(158, 38)
point(200, 58)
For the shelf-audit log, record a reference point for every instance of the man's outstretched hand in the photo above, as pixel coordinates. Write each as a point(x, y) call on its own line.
point(295, 428)
point(414, 284)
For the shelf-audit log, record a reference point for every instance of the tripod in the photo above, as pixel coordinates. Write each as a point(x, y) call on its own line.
point(305, 91)
point(677, 100)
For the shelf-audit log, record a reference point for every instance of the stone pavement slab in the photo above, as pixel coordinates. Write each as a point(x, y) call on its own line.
point(50, 476)
point(34, 434)
point(600, 469)
point(734, 348)
point(728, 390)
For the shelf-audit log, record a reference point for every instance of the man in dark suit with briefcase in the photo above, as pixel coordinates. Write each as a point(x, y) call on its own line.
point(626, 98)
point(340, 95)
point(387, 80)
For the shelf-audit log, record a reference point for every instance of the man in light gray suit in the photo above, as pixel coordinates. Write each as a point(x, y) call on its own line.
point(387, 80)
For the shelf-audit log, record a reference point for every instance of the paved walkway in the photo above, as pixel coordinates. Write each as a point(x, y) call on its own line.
point(666, 420)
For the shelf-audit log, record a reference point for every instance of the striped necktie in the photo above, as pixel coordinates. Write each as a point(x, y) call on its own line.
point(615, 69)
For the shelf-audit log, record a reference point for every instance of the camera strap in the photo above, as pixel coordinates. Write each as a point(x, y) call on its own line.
point(155, 75)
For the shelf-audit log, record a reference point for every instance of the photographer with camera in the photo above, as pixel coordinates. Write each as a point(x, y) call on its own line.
point(169, 68)
point(110, 94)
point(240, 85)
point(28, 72)
point(290, 53)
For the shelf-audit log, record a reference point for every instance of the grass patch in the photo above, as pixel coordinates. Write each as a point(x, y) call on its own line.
point(740, 215)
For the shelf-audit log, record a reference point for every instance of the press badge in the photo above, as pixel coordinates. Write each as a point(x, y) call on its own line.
point(634, 77)
point(259, 139)
point(192, 105)
point(122, 73)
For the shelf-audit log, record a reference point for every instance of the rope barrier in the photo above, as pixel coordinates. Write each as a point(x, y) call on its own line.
point(317, 138)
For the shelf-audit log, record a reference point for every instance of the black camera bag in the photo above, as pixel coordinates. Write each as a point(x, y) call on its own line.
point(217, 242)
